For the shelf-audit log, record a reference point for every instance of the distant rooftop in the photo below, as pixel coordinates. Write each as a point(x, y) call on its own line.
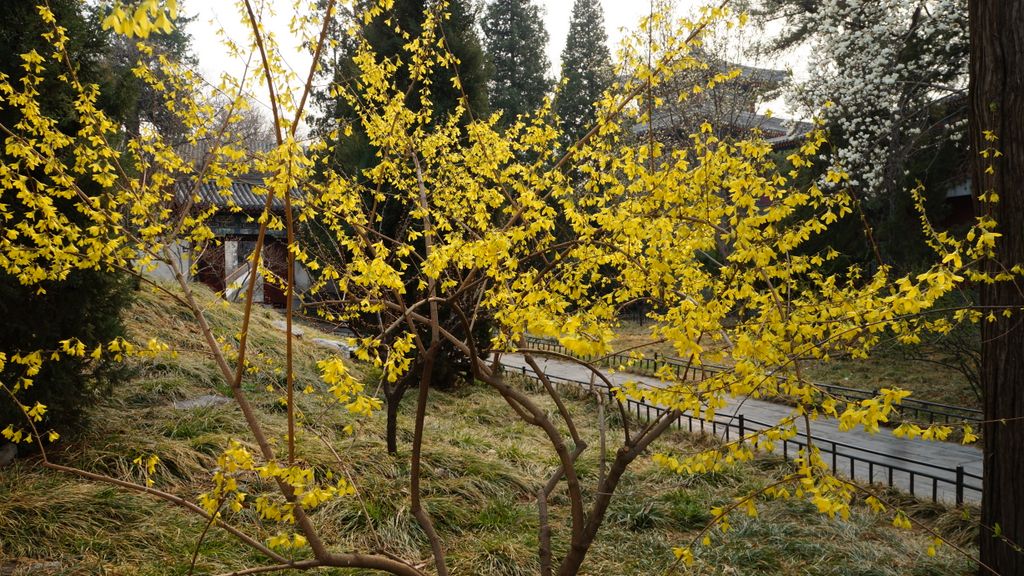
point(765, 75)
point(242, 193)
point(775, 130)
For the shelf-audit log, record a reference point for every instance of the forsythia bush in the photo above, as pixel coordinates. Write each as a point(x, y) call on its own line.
point(711, 236)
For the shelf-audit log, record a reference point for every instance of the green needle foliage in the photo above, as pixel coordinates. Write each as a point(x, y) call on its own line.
point(514, 38)
point(88, 301)
point(586, 69)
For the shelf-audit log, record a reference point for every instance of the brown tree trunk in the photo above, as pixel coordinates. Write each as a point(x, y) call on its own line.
point(603, 496)
point(997, 106)
point(392, 400)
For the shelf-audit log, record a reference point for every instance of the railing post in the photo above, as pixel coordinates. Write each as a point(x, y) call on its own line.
point(959, 485)
point(743, 428)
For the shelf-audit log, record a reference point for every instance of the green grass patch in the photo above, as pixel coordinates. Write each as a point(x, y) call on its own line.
point(482, 468)
point(928, 369)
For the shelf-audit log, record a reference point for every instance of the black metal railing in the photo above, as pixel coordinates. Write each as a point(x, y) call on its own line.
point(858, 463)
point(912, 408)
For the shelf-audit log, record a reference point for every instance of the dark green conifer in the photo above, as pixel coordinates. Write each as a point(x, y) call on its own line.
point(353, 153)
point(586, 69)
point(88, 303)
point(515, 38)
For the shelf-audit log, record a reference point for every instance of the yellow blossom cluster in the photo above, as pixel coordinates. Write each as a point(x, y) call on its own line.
point(508, 224)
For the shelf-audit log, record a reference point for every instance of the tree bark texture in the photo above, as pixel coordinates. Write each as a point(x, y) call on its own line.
point(392, 401)
point(997, 105)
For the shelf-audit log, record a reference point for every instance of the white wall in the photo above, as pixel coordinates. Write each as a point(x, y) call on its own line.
point(181, 255)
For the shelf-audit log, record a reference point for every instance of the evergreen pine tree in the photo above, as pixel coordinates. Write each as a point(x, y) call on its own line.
point(354, 153)
point(586, 69)
point(88, 303)
point(514, 38)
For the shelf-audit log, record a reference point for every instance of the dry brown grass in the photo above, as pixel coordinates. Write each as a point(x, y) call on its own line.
point(481, 464)
point(890, 366)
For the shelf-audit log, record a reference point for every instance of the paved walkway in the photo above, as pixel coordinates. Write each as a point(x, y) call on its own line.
point(926, 469)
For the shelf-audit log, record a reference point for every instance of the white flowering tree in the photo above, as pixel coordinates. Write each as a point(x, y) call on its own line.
point(895, 74)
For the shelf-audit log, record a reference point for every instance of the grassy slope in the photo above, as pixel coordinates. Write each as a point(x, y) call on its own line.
point(886, 368)
point(481, 467)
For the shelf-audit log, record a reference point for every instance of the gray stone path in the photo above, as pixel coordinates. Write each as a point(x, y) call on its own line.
point(926, 469)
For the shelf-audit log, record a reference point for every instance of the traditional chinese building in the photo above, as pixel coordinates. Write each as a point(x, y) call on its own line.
point(730, 108)
point(223, 263)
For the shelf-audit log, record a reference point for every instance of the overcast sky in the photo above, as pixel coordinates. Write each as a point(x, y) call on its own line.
point(211, 14)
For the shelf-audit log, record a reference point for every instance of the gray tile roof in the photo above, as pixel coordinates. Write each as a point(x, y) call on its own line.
point(774, 128)
point(756, 74)
point(242, 193)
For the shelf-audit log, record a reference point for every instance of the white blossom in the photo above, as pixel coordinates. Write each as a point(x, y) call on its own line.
point(883, 63)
